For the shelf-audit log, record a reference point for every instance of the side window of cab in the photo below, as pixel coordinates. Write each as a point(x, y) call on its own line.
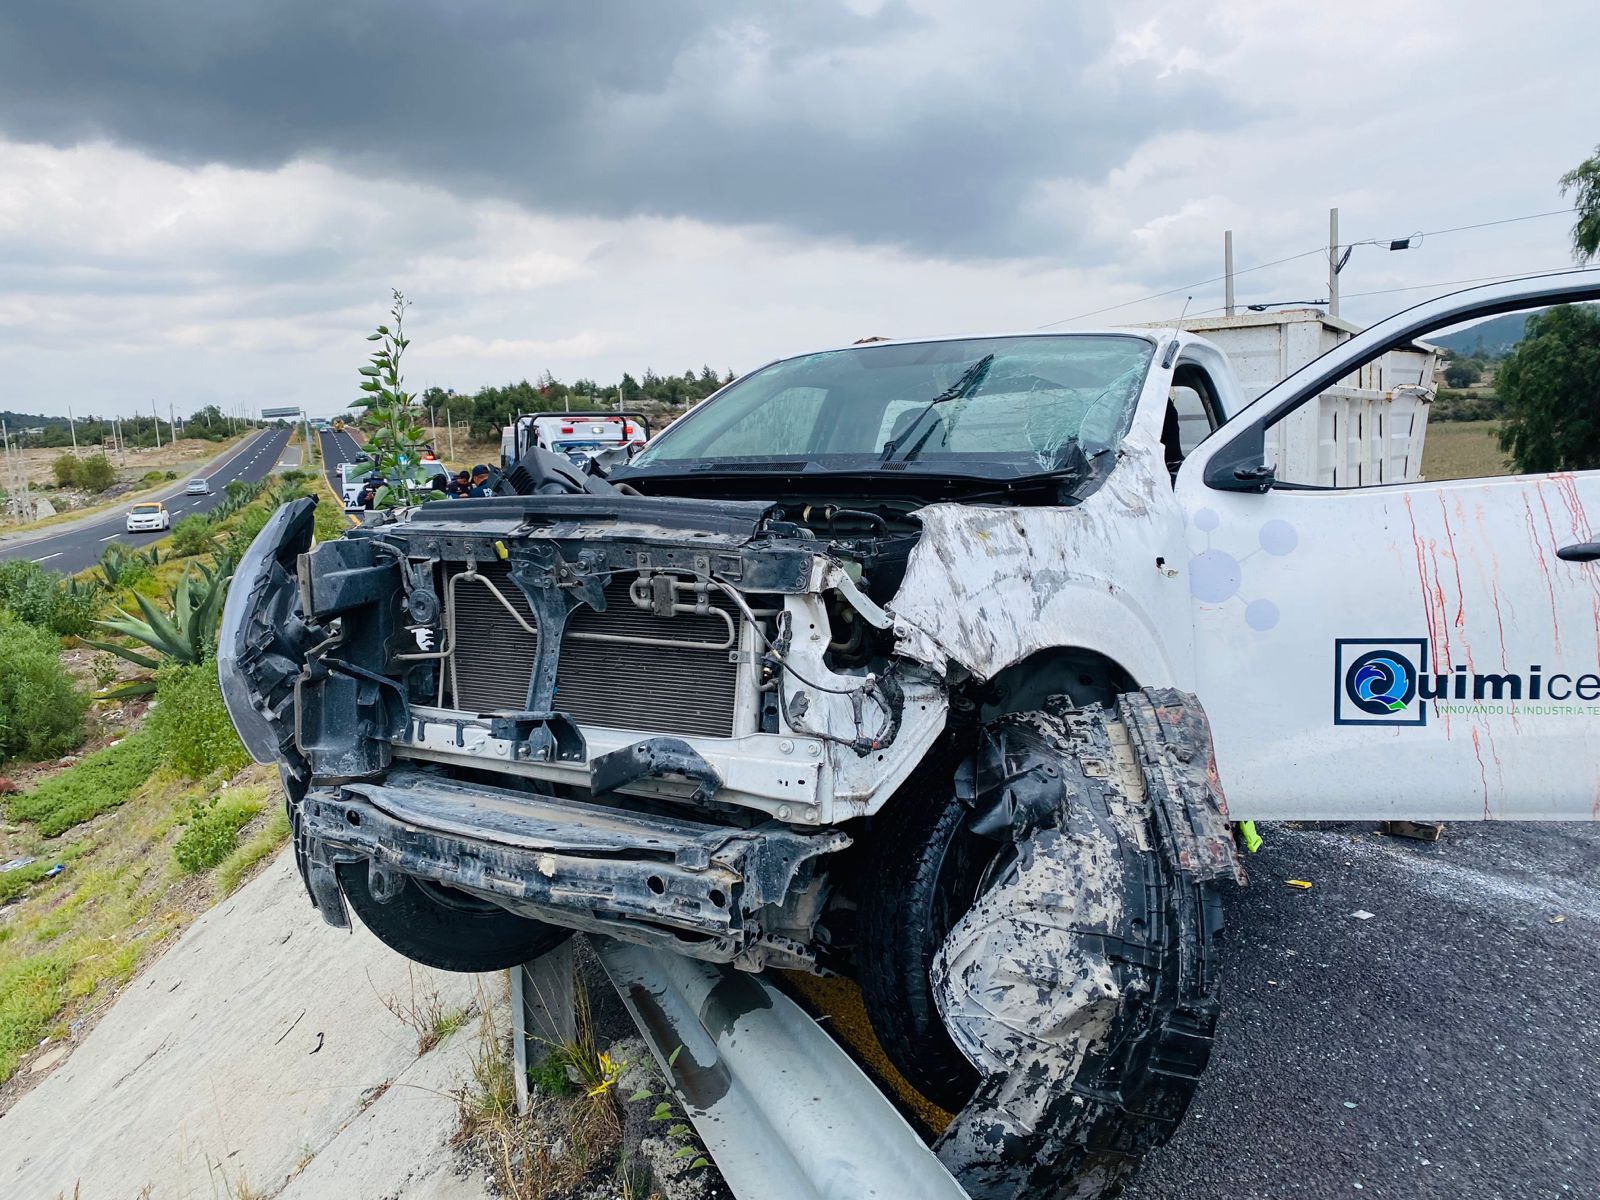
point(1193, 412)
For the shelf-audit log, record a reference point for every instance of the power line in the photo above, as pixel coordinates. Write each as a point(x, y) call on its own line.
point(1183, 288)
point(1418, 287)
point(1428, 233)
point(1555, 212)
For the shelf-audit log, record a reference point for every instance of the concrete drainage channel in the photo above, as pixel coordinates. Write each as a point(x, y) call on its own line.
point(782, 1108)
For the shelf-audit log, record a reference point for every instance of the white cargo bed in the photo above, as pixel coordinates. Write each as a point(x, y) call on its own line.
point(1369, 428)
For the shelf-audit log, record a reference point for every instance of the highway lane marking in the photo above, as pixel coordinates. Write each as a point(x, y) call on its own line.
point(112, 538)
point(48, 557)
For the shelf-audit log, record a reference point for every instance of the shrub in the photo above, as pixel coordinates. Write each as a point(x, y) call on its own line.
point(122, 568)
point(65, 469)
point(95, 473)
point(192, 724)
point(191, 536)
point(211, 832)
point(98, 784)
point(28, 590)
point(1451, 405)
point(42, 598)
point(41, 713)
point(153, 476)
point(76, 607)
point(253, 520)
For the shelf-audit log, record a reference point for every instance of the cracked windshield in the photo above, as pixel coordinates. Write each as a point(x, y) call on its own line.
point(1012, 403)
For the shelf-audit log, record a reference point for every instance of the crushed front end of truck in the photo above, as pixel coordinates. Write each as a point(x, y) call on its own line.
point(630, 716)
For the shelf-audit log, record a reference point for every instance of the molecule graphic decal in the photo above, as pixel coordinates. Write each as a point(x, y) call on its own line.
point(1216, 576)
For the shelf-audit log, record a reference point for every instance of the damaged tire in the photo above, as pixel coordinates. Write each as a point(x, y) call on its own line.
point(445, 928)
point(1080, 981)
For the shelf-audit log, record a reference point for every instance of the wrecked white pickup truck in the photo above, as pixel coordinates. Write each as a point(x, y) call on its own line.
point(906, 661)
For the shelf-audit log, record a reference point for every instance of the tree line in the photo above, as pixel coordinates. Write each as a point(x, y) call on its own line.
point(491, 408)
point(209, 424)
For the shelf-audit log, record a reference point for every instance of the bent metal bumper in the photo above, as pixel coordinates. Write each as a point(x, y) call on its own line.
point(695, 888)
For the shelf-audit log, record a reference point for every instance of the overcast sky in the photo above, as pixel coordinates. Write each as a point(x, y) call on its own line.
point(208, 202)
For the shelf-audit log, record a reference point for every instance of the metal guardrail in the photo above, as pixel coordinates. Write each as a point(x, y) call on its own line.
point(782, 1108)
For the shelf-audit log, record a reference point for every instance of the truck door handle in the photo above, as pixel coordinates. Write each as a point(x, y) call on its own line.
point(1580, 552)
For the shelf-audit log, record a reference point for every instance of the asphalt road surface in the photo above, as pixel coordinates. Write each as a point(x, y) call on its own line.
point(1447, 1046)
point(78, 548)
point(337, 448)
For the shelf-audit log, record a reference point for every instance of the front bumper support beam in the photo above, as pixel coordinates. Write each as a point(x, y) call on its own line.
point(572, 862)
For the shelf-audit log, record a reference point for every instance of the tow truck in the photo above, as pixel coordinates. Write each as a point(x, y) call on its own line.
point(928, 663)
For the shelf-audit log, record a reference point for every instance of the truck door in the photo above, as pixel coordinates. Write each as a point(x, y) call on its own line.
point(1426, 650)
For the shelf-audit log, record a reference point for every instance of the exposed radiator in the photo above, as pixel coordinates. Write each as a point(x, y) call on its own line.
point(671, 685)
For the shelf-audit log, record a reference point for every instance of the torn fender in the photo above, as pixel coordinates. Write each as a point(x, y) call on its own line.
point(986, 587)
point(1082, 984)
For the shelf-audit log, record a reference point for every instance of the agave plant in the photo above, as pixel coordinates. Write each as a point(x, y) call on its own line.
point(185, 635)
point(113, 566)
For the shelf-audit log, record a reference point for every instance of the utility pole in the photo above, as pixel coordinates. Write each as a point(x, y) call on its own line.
point(156, 417)
point(1227, 271)
point(172, 420)
point(1333, 262)
point(450, 432)
point(73, 426)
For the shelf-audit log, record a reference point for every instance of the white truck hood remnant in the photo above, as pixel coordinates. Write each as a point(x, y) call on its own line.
point(985, 587)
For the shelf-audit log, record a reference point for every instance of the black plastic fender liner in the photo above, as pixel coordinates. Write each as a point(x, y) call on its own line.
point(263, 638)
point(1082, 983)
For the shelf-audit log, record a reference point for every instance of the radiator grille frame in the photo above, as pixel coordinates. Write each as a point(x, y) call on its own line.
point(674, 685)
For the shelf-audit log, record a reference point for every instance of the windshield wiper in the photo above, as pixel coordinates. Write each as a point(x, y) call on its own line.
point(962, 387)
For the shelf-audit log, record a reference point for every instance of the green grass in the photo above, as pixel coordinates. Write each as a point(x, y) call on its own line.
point(212, 831)
point(231, 872)
point(30, 993)
point(69, 940)
point(13, 883)
point(99, 783)
point(1463, 450)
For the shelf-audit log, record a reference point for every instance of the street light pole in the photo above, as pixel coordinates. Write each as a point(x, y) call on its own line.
point(156, 417)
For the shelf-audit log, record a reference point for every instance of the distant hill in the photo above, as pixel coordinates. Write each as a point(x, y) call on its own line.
point(1494, 337)
point(30, 420)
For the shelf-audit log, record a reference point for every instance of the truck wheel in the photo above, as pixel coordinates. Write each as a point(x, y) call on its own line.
point(927, 878)
point(1074, 972)
point(445, 928)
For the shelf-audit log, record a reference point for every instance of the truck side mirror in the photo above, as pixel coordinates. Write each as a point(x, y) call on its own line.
point(1240, 465)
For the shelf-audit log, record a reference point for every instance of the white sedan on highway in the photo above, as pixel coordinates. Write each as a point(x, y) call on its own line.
point(149, 517)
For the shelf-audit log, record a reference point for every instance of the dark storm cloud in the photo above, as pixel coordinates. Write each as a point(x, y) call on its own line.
point(880, 128)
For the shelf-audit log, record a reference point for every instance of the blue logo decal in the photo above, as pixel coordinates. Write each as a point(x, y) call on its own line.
point(1375, 681)
point(1381, 683)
